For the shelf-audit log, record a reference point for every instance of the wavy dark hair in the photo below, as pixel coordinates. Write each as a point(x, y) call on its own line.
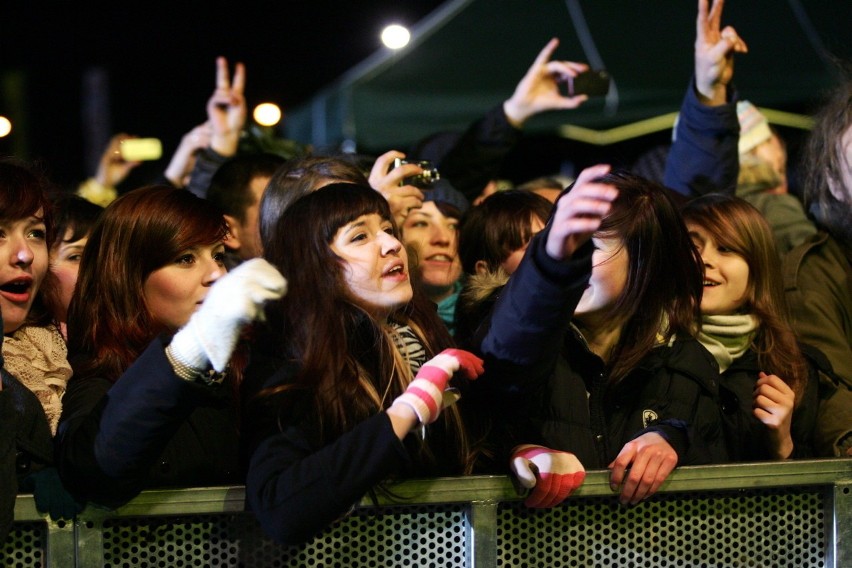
point(23, 193)
point(738, 226)
point(109, 323)
point(348, 364)
point(662, 294)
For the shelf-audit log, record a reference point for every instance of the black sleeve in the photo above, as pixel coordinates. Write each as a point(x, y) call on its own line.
point(477, 156)
point(296, 489)
point(110, 435)
point(206, 163)
point(9, 487)
point(704, 157)
point(534, 310)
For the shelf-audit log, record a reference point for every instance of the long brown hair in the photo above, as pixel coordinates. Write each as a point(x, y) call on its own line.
point(662, 295)
point(24, 193)
point(347, 360)
point(737, 225)
point(109, 323)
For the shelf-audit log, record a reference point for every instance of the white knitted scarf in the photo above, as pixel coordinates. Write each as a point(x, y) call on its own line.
point(727, 337)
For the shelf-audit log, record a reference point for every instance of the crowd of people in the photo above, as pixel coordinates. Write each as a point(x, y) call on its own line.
point(317, 328)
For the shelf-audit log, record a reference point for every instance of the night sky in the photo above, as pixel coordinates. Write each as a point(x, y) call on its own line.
point(158, 61)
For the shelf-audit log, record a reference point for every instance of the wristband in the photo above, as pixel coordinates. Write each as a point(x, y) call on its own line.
point(189, 373)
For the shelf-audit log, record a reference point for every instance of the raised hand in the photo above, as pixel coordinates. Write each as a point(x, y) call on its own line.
point(401, 198)
point(112, 168)
point(551, 474)
point(226, 108)
point(233, 301)
point(579, 213)
point(714, 53)
point(538, 90)
point(426, 392)
point(183, 159)
point(650, 458)
point(773, 405)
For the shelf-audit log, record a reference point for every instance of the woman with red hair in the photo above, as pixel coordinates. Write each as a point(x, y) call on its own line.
point(150, 337)
point(35, 361)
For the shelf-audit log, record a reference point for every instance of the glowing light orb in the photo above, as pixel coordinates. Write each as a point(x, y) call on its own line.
point(267, 114)
point(5, 126)
point(395, 36)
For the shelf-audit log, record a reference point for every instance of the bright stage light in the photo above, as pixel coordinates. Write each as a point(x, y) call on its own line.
point(395, 36)
point(5, 126)
point(267, 114)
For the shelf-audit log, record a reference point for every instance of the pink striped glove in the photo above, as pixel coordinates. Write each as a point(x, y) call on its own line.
point(425, 394)
point(552, 475)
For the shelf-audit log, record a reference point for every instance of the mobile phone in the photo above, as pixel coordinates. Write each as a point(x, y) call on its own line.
point(592, 83)
point(141, 149)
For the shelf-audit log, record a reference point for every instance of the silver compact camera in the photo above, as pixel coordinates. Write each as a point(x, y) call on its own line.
point(429, 176)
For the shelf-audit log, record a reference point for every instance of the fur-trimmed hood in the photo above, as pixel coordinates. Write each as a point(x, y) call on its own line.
point(476, 299)
point(480, 287)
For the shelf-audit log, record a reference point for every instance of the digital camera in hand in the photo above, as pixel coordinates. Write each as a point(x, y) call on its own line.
point(424, 180)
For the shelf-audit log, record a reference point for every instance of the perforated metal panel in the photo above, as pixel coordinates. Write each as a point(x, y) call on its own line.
point(25, 546)
point(427, 536)
point(773, 514)
point(766, 529)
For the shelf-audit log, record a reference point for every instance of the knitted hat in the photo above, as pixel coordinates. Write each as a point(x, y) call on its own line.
point(442, 191)
point(754, 128)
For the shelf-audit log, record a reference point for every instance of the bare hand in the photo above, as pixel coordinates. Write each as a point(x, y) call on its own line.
point(714, 53)
point(773, 405)
point(184, 157)
point(401, 198)
point(226, 109)
point(579, 213)
point(112, 169)
point(651, 459)
point(539, 91)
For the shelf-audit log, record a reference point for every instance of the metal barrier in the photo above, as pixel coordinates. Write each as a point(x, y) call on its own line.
point(796, 513)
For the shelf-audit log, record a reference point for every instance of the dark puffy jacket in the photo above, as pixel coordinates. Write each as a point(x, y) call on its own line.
point(554, 391)
point(148, 429)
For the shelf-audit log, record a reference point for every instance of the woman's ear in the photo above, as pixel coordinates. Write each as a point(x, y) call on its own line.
point(481, 268)
point(836, 189)
point(232, 239)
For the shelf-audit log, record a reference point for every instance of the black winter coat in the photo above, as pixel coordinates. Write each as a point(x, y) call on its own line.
point(149, 429)
point(541, 375)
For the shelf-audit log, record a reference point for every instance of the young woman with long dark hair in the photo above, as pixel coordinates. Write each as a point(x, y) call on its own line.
point(591, 342)
point(365, 365)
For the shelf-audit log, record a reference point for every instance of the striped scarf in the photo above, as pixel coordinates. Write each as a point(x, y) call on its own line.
point(409, 346)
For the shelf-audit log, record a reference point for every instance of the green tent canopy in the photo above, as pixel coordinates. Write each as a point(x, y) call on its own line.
point(468, 55)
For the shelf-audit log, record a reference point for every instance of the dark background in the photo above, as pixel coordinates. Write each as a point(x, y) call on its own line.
point(156, 61)
point(159, 62)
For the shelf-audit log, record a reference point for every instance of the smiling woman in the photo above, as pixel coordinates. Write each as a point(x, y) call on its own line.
point(769, 401)
point(432, 232)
